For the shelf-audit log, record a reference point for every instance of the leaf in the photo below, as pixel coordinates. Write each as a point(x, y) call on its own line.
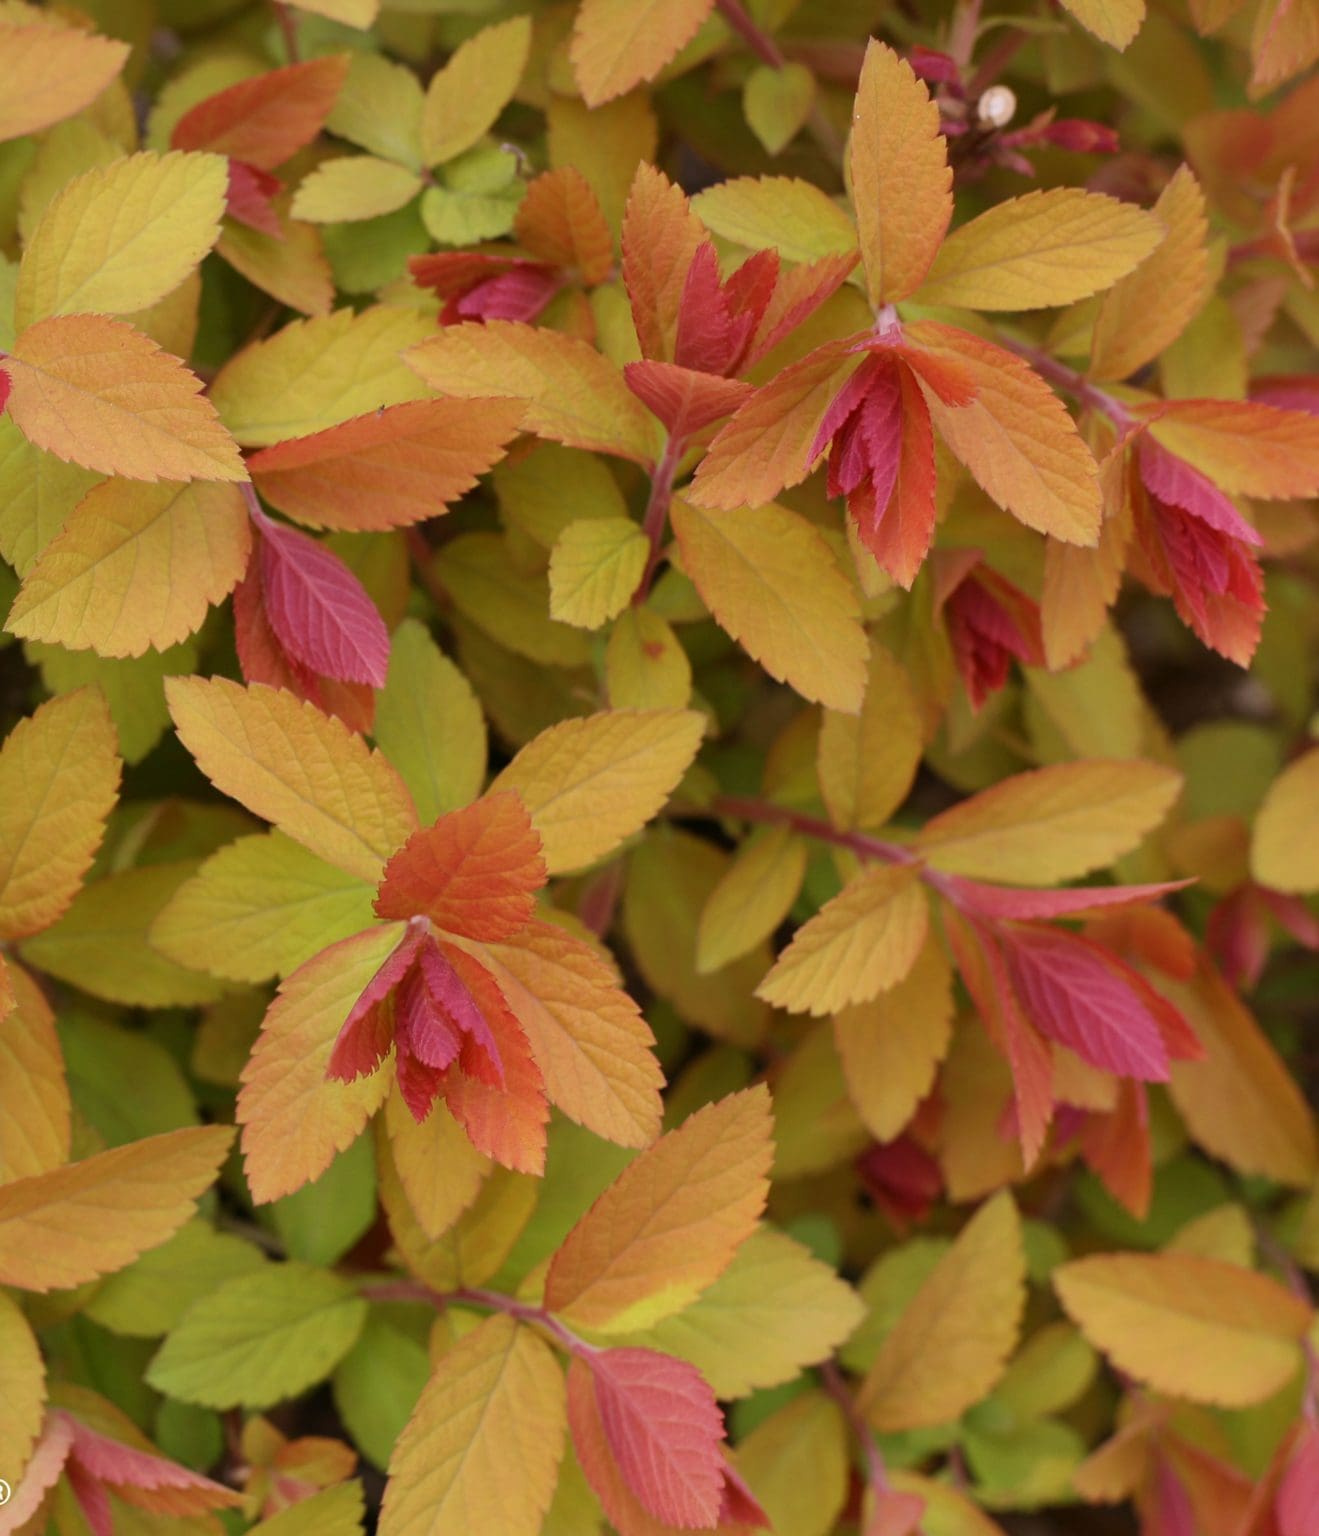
point(1284, 849)
point(316, 373)
point(670, 1223)
point(1115, 22)
point(661, 235)
point(266, 119)
point(466, 96)
point(440, 1170)
point(22, 1386)
point(1143, 314)
point(770, 580)
point(34, 1096)
point(37, 493)
point(953, 1339)
point(52, 72)
point(617, 44)
point(135, 567)
point(560, 221)
point(354, 188)
point(98, 393)
point(1044, 249)
point(482, 1448)
point(891, 1046)
point(473, 872)
point(781, 213)
point(594, 1050)
point(753, 897)
point(776, 103)
point(260, 907)
point(295, 767)
point(1191, 1327)
point(318, 609)
point(59, 776)
point(1051, 824)
point(429, 724)
point(797, 1463)
point(337, 1511)
point(119, 238)
point(60, 1228)
point(1239, 1101)
point(775, 1310)
point(293, 1120)
point(351, 13)
point(901, 183)
point(1245, 448)
point(645, 665)
point(259, 1338)
point(866, 763)
point(662, 1429)
point(858, 944)
point(1015, 437)
point(595, 568)
point(571, 393)
point(394, 467)
point(591, 783)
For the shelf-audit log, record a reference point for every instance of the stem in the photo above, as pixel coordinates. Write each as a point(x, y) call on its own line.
point(962, 36)
point(742, 808)
point(831, 1379)
point(496, 1301)
point(994, 62)
point(1070, 381)
point(767, 50)
point(657, 512)
point(289, 27)
point(1299, 1286)
point(420, 553)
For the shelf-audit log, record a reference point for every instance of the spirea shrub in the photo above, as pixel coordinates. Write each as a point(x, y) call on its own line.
point(660, 814)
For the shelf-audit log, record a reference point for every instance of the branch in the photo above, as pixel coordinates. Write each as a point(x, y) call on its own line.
point(657, 512)
point(1070, 381)
point(876, 1474)
point(496, 1301)
point(746, 808)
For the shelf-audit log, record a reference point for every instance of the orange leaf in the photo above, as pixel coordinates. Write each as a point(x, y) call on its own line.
point(616, 44)
point(94, 391)
point(394, 467)
point(560, 221)
point(474, 872)
point(670, 1223)
point(1244, 447)
point(660, 237)
point(265, 120)
point(52, 72)
point(86, 1219)
point(902, 187)
point(34, 1097)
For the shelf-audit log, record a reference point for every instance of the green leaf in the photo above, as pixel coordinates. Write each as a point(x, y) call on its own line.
point(320, 1222)
point(151, 1296)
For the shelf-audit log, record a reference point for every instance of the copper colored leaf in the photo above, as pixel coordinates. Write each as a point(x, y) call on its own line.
point(1242, 446)
point(267, 119)
point(34, 1095)
point(52, 72)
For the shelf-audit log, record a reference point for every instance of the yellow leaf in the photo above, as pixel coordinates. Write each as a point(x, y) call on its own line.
point(336, 1511)
point(952, 1341)
point(291, 268)
point(59, 774)
point(669, 1225)
point(37, 492)
point(119, 238)
point(440, 1170)
point(51, 72)
point(858, 944)
point(379, 109)
point(1223, 1233)
point(594, 570)
point(867, 762)
point(1043, 249)
point(770, 579)
point(1114, 22)
point(781, 213)
point(1016, 437)
point(573, 394)
point(22, 1386)
point(816, 1126)
point(316, 373)
point(481, 1450)
point(293, 1119)
point(352, 13)
point(593, 1048)
point(354, 187)
point(590, 783)
point(429, 724)
point(604, 144)
point(101, 944)
point(752, 898)
point(891, 1046)
point(1239, 1102)
point(1145, 313)
point(1284, 846)
point(86, 1219)
point(260, 907)
point(1187, 1326)
point(135, 567)
point(902, 187)
point(466, 96)
point(775, 1310)
point(617, 44)
point(34, 1096)
point(1051, 824)
point(304, 771)
point(797, 1462)
point(95, 391)
point(645, 664)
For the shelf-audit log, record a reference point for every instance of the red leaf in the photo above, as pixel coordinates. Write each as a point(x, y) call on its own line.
point(420, 1025)
point(1174, 481)
point(1298, 1497)
point(798, 293)
point(367, 1032)
point(4, 388)
point(683, 400)
point(92, 1499)
point(738, 1505)
point(267, 119)
point(662, 1428)
point(480, 1051)
point(1117, 1146)
point(473, 872)
point(319, 610)
point(899, 533)
point(249, 198)
point(1003, 901)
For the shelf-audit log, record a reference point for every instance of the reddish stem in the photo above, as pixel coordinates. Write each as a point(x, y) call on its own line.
point(657, 512)
point(767, 50)
point(422, 555)
point(289, 27)
point(1070, 381)
point(744, 808)
point(831, 1378)
point(496, 1301)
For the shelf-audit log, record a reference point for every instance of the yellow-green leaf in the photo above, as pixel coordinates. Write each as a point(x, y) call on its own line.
point(645, 664)
point(781, 213)
point(866, 762)
point(34, 1095)
point(1284, 848)
point(354, 187)
point(754, 896)
point(1115, 22)
point(22, 1387)
point(466, 96)
point(594, 570)
point(797, 1462)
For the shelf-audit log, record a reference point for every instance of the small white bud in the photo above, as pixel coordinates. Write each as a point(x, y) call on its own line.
point(996, 107)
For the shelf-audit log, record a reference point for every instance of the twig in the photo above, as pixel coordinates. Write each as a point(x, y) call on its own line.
point(496, 1301)
point(1070, 381)
point(289, 27)
point(657, 512)
point(745, 808)
point(876, 1474)
point(767, 50)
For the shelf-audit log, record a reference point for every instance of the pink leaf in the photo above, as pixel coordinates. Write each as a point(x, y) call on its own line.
point(362, 1043)
point(1005, 902)
point(92, 1499)
point(249, 200)
point(481, 1060)
point(684, 400)
point(738, 1505)
point(1298, 1496)
point(420, 1027)
point(1174, 481)
point(319, 610)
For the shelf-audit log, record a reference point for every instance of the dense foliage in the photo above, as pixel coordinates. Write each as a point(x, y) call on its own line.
point(660, 820)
